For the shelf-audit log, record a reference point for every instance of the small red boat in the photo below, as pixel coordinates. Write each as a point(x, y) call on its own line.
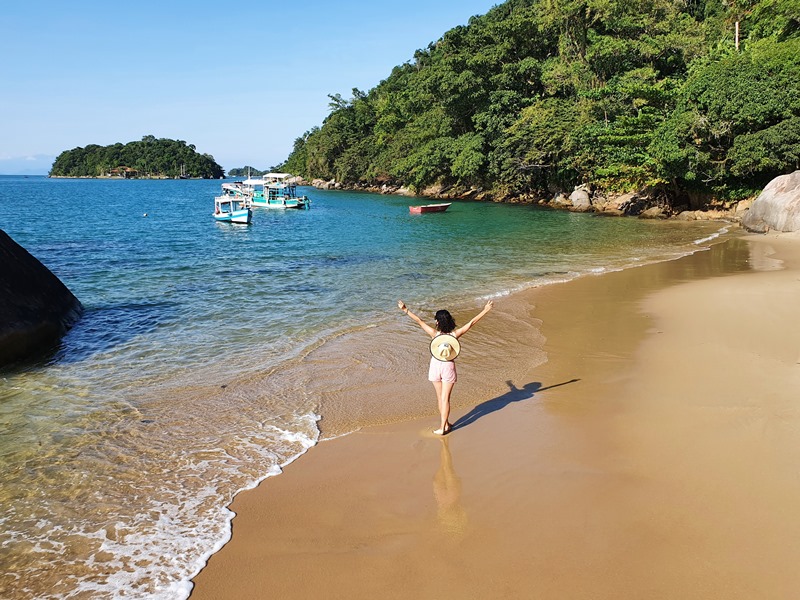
point(427, 208)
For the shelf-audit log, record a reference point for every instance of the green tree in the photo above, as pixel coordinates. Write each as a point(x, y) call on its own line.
point(737, 123)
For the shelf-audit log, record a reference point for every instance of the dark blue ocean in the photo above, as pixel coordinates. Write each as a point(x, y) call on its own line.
point(212, 354)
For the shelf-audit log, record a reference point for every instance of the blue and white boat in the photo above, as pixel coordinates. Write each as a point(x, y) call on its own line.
point(279, 191)
point(273, 190)
point(232, 210)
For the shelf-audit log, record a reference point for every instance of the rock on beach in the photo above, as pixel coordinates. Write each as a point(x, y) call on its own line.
point(777, 207)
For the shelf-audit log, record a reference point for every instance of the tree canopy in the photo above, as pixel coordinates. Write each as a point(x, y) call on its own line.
point(150, 157)
point(245, 171)
point(538, 95)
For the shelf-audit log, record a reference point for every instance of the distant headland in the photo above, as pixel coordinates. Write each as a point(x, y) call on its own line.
point(248, 171)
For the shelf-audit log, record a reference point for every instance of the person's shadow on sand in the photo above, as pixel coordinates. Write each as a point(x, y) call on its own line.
point(514, 394)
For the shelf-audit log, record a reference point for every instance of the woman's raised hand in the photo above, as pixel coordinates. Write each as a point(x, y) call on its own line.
point(401, 305)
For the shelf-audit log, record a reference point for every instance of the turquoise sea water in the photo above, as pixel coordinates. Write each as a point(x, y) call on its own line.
point(187, 379)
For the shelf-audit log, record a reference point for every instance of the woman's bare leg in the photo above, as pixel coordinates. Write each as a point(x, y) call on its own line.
point(443, 391)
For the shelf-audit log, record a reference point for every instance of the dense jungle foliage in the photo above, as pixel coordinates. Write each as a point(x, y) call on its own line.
point(150, 157)
point(541, 95)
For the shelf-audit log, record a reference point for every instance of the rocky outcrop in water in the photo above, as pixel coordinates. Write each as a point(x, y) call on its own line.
point(36, 308)
point(777, 207)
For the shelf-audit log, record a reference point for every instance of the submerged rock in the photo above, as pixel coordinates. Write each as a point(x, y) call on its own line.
point(36, 308)
point(777, 207)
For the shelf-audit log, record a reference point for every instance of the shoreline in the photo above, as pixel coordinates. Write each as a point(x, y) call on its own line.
point(104, 177)
point(548, 458)
point(637, 204)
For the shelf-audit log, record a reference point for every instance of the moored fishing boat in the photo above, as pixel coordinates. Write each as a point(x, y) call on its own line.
point(273, 190)
point(241, 190)
point(277, 191)
point(428, 208)
point(232, 210)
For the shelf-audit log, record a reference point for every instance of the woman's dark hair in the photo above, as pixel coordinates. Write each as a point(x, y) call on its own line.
point(444, 321)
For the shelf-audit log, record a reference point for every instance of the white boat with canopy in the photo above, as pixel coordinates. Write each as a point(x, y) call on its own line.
point(232, 210)
point(273, 190)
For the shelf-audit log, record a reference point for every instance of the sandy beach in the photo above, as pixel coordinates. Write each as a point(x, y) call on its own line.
point(654, 455)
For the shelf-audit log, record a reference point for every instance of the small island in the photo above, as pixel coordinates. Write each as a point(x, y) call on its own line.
point(248, 171)
point(150, 158)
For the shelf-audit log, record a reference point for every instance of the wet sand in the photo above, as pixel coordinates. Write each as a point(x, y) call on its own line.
point(654, 455)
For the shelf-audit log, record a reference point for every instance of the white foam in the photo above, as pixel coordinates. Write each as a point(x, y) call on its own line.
point(155, 551)
point(713, 236)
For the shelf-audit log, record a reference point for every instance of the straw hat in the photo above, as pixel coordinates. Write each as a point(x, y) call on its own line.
point(445, 347)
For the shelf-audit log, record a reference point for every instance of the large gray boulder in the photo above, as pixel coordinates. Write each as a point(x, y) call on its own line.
point(321, 184)
point(777, 207)
point(36, 309)
point(580, 198)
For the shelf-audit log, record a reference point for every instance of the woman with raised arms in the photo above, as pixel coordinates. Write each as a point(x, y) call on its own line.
point(444, 350)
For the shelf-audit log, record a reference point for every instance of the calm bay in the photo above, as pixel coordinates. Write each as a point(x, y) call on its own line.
point(210, 354)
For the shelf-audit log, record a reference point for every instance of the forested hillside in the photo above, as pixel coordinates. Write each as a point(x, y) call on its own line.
point(246, 171)
point(149, 157)
point(541, 95)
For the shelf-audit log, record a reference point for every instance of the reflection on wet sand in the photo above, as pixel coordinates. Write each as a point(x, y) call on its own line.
point(447, 490)
point(762, 258)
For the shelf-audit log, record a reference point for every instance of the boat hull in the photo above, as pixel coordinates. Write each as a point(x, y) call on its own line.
point(429, 208)
point(296, 203)
point(242, 217)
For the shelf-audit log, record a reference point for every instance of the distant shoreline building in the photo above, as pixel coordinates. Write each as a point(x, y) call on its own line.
point(123, 172)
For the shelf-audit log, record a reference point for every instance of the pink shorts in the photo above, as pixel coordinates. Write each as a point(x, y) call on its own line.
point(442, 371)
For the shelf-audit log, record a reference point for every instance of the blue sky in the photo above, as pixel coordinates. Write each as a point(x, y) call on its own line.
point(239, 80)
